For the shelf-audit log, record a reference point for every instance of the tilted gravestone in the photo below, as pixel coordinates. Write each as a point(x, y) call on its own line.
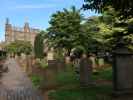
point(123, 71)
point(85, 72)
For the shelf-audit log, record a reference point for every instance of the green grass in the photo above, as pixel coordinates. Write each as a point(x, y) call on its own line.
point(72, 91)
point(93, 93)
point(70, 77)
point(105, 74)
point(64, 78)
point(70, 88)
point(36, 80)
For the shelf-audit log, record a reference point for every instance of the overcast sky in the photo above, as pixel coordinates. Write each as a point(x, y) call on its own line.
point(38, 12)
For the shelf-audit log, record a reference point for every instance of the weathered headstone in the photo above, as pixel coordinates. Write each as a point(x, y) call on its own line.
point(85, 71)
point(52, 64)
point(51, 72)
point(101, 56)
point(93, 60)
point(50, 54)
point(67, 60)
point(77, 67)
point(123, 71)
point(101, 62)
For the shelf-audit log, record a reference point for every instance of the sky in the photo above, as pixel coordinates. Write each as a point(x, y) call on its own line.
point(36, 12)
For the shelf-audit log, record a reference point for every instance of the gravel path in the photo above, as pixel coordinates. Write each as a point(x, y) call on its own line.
point(15, 84)
point(15, 77)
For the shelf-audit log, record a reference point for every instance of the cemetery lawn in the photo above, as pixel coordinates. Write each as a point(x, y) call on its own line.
point(72, 91)
point(77, 93)
point(103, 74)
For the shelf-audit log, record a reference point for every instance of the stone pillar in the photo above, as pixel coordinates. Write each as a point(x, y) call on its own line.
point(85, 71)
point(123, 71)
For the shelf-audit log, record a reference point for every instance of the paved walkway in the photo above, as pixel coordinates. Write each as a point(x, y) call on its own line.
point(15, 84)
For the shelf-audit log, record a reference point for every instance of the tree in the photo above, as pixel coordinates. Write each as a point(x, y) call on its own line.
point(113, 29)
point(18, 47)
point(124, 7)
point(65, 28)
point(96, 28)
point(39, 45)
point(71, 32)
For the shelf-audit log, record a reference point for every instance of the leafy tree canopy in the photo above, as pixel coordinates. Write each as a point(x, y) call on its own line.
point(39, 45)
point(18, 47)
point(65, 28)
point(124, 7)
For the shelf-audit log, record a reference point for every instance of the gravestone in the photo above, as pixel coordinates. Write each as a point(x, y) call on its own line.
point(101, 62)
point(123, 71)
point(67, 60)
point(77, 67)
point(101, 56)
point(50, 54)
point(51, 72)
point(93, 59)
point(85, 71)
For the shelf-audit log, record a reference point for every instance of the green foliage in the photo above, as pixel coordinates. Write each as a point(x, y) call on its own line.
point(36, 80)
point(69, 30)
point(2, 55)
point(59, 54)
point(2, 58)
point(124, 7)
point(108, 30)
point(18, 47)
point(65, 27)
point(96, 28)
point(39, 45)
point(42, 63)
point(79, 50)
point(121, 32)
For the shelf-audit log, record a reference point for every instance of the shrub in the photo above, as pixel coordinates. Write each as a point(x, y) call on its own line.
point(36, 80)
point(42, 63)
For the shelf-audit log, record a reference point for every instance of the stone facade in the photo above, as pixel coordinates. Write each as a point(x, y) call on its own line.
point(13, 33)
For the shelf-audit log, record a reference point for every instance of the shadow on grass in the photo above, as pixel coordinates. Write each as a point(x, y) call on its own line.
point(72, 91)
point(92, 93)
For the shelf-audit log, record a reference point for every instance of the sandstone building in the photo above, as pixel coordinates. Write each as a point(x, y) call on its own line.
point(24, 33)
